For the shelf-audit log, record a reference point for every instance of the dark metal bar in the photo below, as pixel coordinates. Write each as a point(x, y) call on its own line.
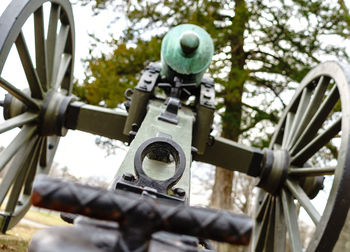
point(233, 156)
point(93, 119)
point(128, 208)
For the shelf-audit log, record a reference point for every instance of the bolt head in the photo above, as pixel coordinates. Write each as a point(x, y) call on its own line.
point(128, 177)
point(180, 192)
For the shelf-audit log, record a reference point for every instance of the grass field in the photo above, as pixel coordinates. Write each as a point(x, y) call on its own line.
point(17, 239)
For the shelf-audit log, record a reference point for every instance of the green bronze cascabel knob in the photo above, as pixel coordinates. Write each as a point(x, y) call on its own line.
point(186, 52)
point(189, 42)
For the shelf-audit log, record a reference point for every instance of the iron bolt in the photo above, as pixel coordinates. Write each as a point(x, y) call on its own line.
point(194, 150)
point(128, 177)
point(134, 127)
point(180, 192)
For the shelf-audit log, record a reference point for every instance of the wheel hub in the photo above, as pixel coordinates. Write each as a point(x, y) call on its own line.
point(275, 170)
point(51, 115)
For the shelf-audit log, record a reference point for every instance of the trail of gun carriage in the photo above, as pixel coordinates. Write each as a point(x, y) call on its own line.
point(185, 104)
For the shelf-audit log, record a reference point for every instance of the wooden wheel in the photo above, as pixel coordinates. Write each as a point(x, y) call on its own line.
point(308, 157)
point(37, 108)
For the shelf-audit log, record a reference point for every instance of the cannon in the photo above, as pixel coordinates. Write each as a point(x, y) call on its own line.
point(165, 135)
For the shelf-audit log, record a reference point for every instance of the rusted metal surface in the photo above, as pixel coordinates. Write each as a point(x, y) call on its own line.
point(148, 213)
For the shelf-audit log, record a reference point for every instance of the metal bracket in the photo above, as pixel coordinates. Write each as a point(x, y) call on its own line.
point(130, 185)
point(161, 148)
point(207, 94)
point(137, 107)
point(149, 78)
point(170, 113)
point(205, 108)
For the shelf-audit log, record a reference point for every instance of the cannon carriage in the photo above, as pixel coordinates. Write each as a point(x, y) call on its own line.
point(167, 134)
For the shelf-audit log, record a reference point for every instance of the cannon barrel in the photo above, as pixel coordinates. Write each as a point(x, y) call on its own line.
point(186, 53)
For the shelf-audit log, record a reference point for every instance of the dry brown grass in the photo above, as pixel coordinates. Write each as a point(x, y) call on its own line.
point(45, 217)
point(18, 238)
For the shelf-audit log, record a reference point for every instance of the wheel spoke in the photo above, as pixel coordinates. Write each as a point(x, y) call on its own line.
point(29, 163)
point(262, 226)
point(51, 38)
point(312, 107)
point(66, 58)
point(47, 152)
point(280, 227)
point(287, 129)
point(262, 207)
point(60, 45)
point(290, 216)
point(25, 134)
point(312, 171)
point(19, 213)
point(17, 121)
point(303, 104)
point(304, 200)
point(16, 167)
point(40, 48)
point(27, 100)
point(43, 152)
point(31, 74)
point(49, 65)
point(52, 143)
point(316, 144)
point(269, 239)
point(317, 120)
point(33, 170)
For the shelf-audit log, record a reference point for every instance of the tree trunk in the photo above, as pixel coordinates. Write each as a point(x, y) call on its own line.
point(231, 118)
point(222, 188)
